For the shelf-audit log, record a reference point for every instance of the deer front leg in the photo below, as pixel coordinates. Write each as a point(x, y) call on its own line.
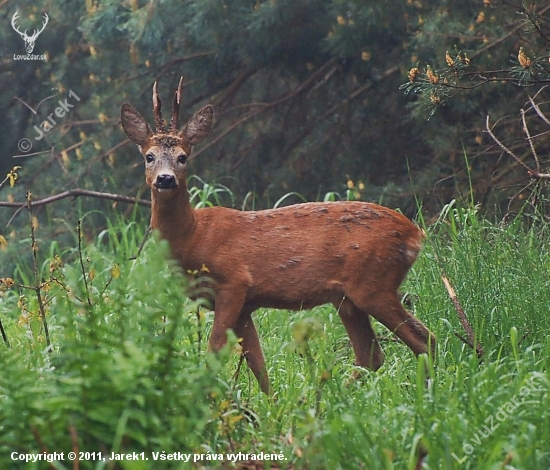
point(228, 306)
point(252, 350)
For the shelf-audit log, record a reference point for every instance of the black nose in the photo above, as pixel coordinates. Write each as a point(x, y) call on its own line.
point(166, 182)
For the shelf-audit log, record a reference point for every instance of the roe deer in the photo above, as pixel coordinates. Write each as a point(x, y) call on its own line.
point(351, 254)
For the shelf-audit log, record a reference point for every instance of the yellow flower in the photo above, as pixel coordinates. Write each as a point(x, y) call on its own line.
point(115, 271)
point(450, 61)
point(351, 184)
point(12, 175)
point(341, 20)
point(23, 319)
point(55, 263)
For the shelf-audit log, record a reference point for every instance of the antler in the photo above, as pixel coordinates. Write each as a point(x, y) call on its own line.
point(14, 26)
point(36, 32)
point(159, 123)
point(176, 108)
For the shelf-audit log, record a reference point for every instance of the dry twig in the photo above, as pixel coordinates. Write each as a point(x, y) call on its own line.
point(532, 173)
point(470, 340)
point(38, 284)
point(72, 193)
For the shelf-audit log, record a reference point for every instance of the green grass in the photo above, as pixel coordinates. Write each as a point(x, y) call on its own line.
point(124, 371)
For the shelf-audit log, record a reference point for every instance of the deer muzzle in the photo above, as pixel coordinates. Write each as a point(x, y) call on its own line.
point(165, 182)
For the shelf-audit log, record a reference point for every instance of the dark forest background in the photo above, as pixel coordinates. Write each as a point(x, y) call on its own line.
point(388, 99)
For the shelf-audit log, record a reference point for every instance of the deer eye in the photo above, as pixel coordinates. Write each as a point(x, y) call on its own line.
point(149, 158)
point(182, 158)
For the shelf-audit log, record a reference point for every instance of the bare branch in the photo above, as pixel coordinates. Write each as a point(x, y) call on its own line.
point(334, 109)
point(530, 171)
point(310, 81)
point(35, 111)
point(31, 154)
point(507, 35)
point(73, 193)
point(526, 130)
point(537, 109)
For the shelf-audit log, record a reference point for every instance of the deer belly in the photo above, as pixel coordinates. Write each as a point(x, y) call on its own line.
point(293, 292)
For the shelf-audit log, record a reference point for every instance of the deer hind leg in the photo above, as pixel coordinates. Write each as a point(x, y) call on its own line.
point(387, 309)
point(252, 350)
point(366, 347)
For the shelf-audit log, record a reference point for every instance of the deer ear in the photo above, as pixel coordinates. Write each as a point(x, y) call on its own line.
point(198, 126)
point(134, 125)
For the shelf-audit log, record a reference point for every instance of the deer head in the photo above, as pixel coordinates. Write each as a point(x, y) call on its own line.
point(29, 40)
point(166, 151)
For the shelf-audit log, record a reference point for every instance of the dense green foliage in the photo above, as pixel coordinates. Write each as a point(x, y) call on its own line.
point(125, 371)
point(306, 95)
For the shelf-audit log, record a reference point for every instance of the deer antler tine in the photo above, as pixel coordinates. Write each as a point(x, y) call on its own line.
point(46, 18)
point(14, 23)
point(159, 123)
point(176, 108)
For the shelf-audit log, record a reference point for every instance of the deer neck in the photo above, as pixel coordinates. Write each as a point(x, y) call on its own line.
point(172, 215)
